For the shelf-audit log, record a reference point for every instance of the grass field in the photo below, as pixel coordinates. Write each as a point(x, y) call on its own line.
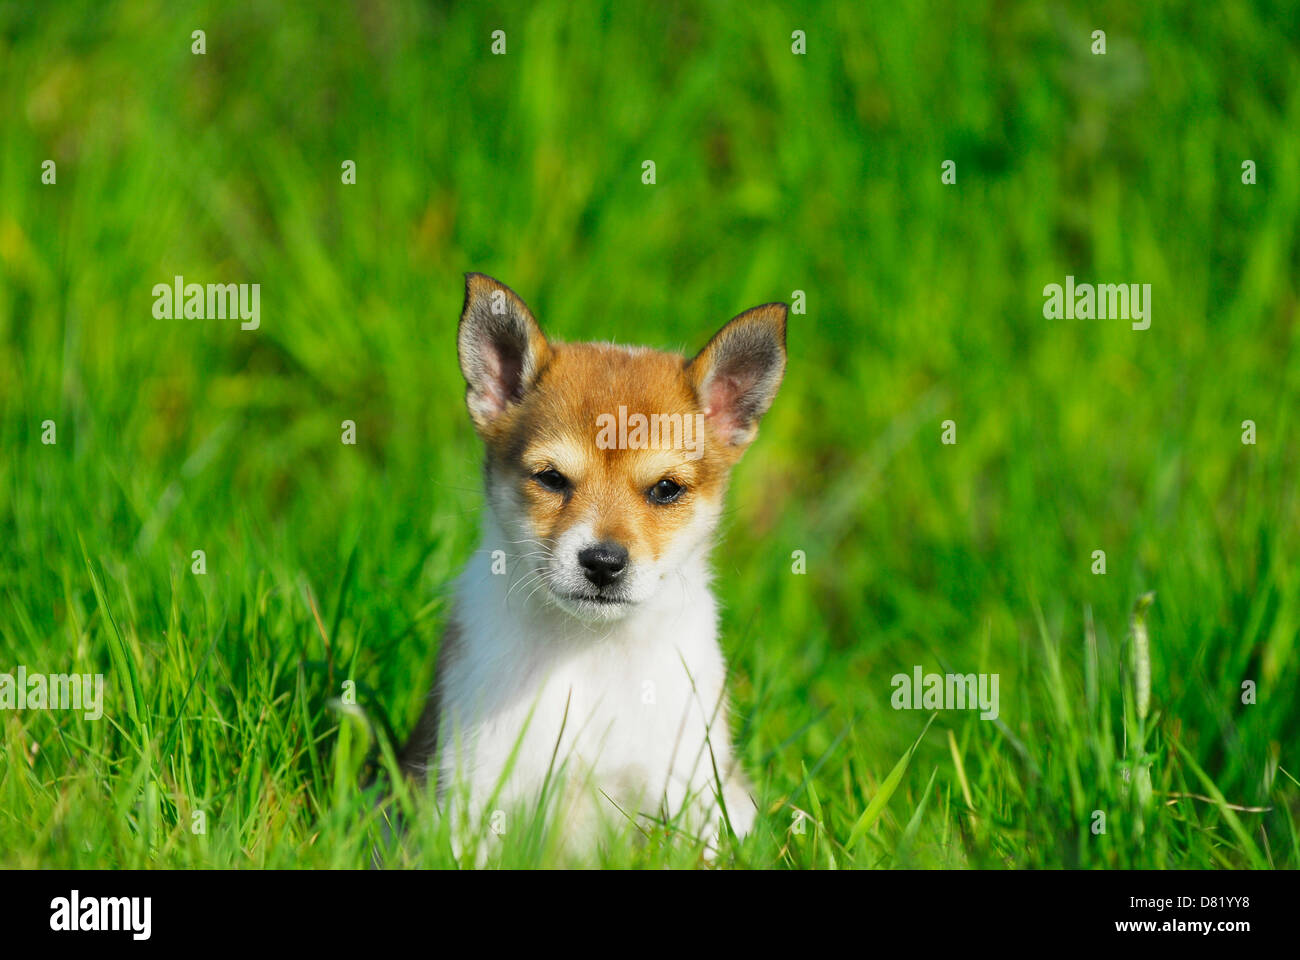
point(775, 172)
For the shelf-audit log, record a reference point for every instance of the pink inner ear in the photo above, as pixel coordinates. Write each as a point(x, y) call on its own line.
point(501, 384)
point(720, 403)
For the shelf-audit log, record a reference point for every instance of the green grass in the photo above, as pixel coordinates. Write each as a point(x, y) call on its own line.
point(329, 563)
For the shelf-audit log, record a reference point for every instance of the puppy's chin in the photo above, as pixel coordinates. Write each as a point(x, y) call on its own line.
point(590, 611)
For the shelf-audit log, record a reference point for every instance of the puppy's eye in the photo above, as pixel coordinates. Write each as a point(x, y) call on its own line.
point(552, 480)
point(665, 491)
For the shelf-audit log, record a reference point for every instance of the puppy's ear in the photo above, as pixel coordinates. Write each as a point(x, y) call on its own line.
point(501, 348)
point(737, 373)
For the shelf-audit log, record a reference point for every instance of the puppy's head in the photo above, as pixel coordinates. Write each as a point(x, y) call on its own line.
point(606, 466)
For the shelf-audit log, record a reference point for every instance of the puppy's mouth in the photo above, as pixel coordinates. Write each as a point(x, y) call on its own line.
point(592, 606)
point(587, 601)
point(602, 599)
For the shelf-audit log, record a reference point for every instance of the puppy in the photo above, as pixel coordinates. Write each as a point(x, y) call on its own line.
point(580, 671)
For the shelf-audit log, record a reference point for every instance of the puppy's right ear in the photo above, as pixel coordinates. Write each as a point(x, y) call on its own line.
point(501, 348)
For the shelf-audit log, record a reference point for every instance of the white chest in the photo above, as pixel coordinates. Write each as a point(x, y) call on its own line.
point(637, 706)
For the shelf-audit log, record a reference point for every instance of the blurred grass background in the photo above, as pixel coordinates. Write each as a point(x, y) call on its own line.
point(775, 173)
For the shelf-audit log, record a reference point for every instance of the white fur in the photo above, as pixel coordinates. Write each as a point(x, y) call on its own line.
point(644, 693)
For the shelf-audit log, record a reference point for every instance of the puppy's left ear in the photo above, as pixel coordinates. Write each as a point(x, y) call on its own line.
point(737, 373)
point(501, 349)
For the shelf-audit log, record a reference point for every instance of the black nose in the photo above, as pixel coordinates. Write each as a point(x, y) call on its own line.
point(603, 563)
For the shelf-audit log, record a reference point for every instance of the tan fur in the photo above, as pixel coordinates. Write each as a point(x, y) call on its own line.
point(555, 426)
